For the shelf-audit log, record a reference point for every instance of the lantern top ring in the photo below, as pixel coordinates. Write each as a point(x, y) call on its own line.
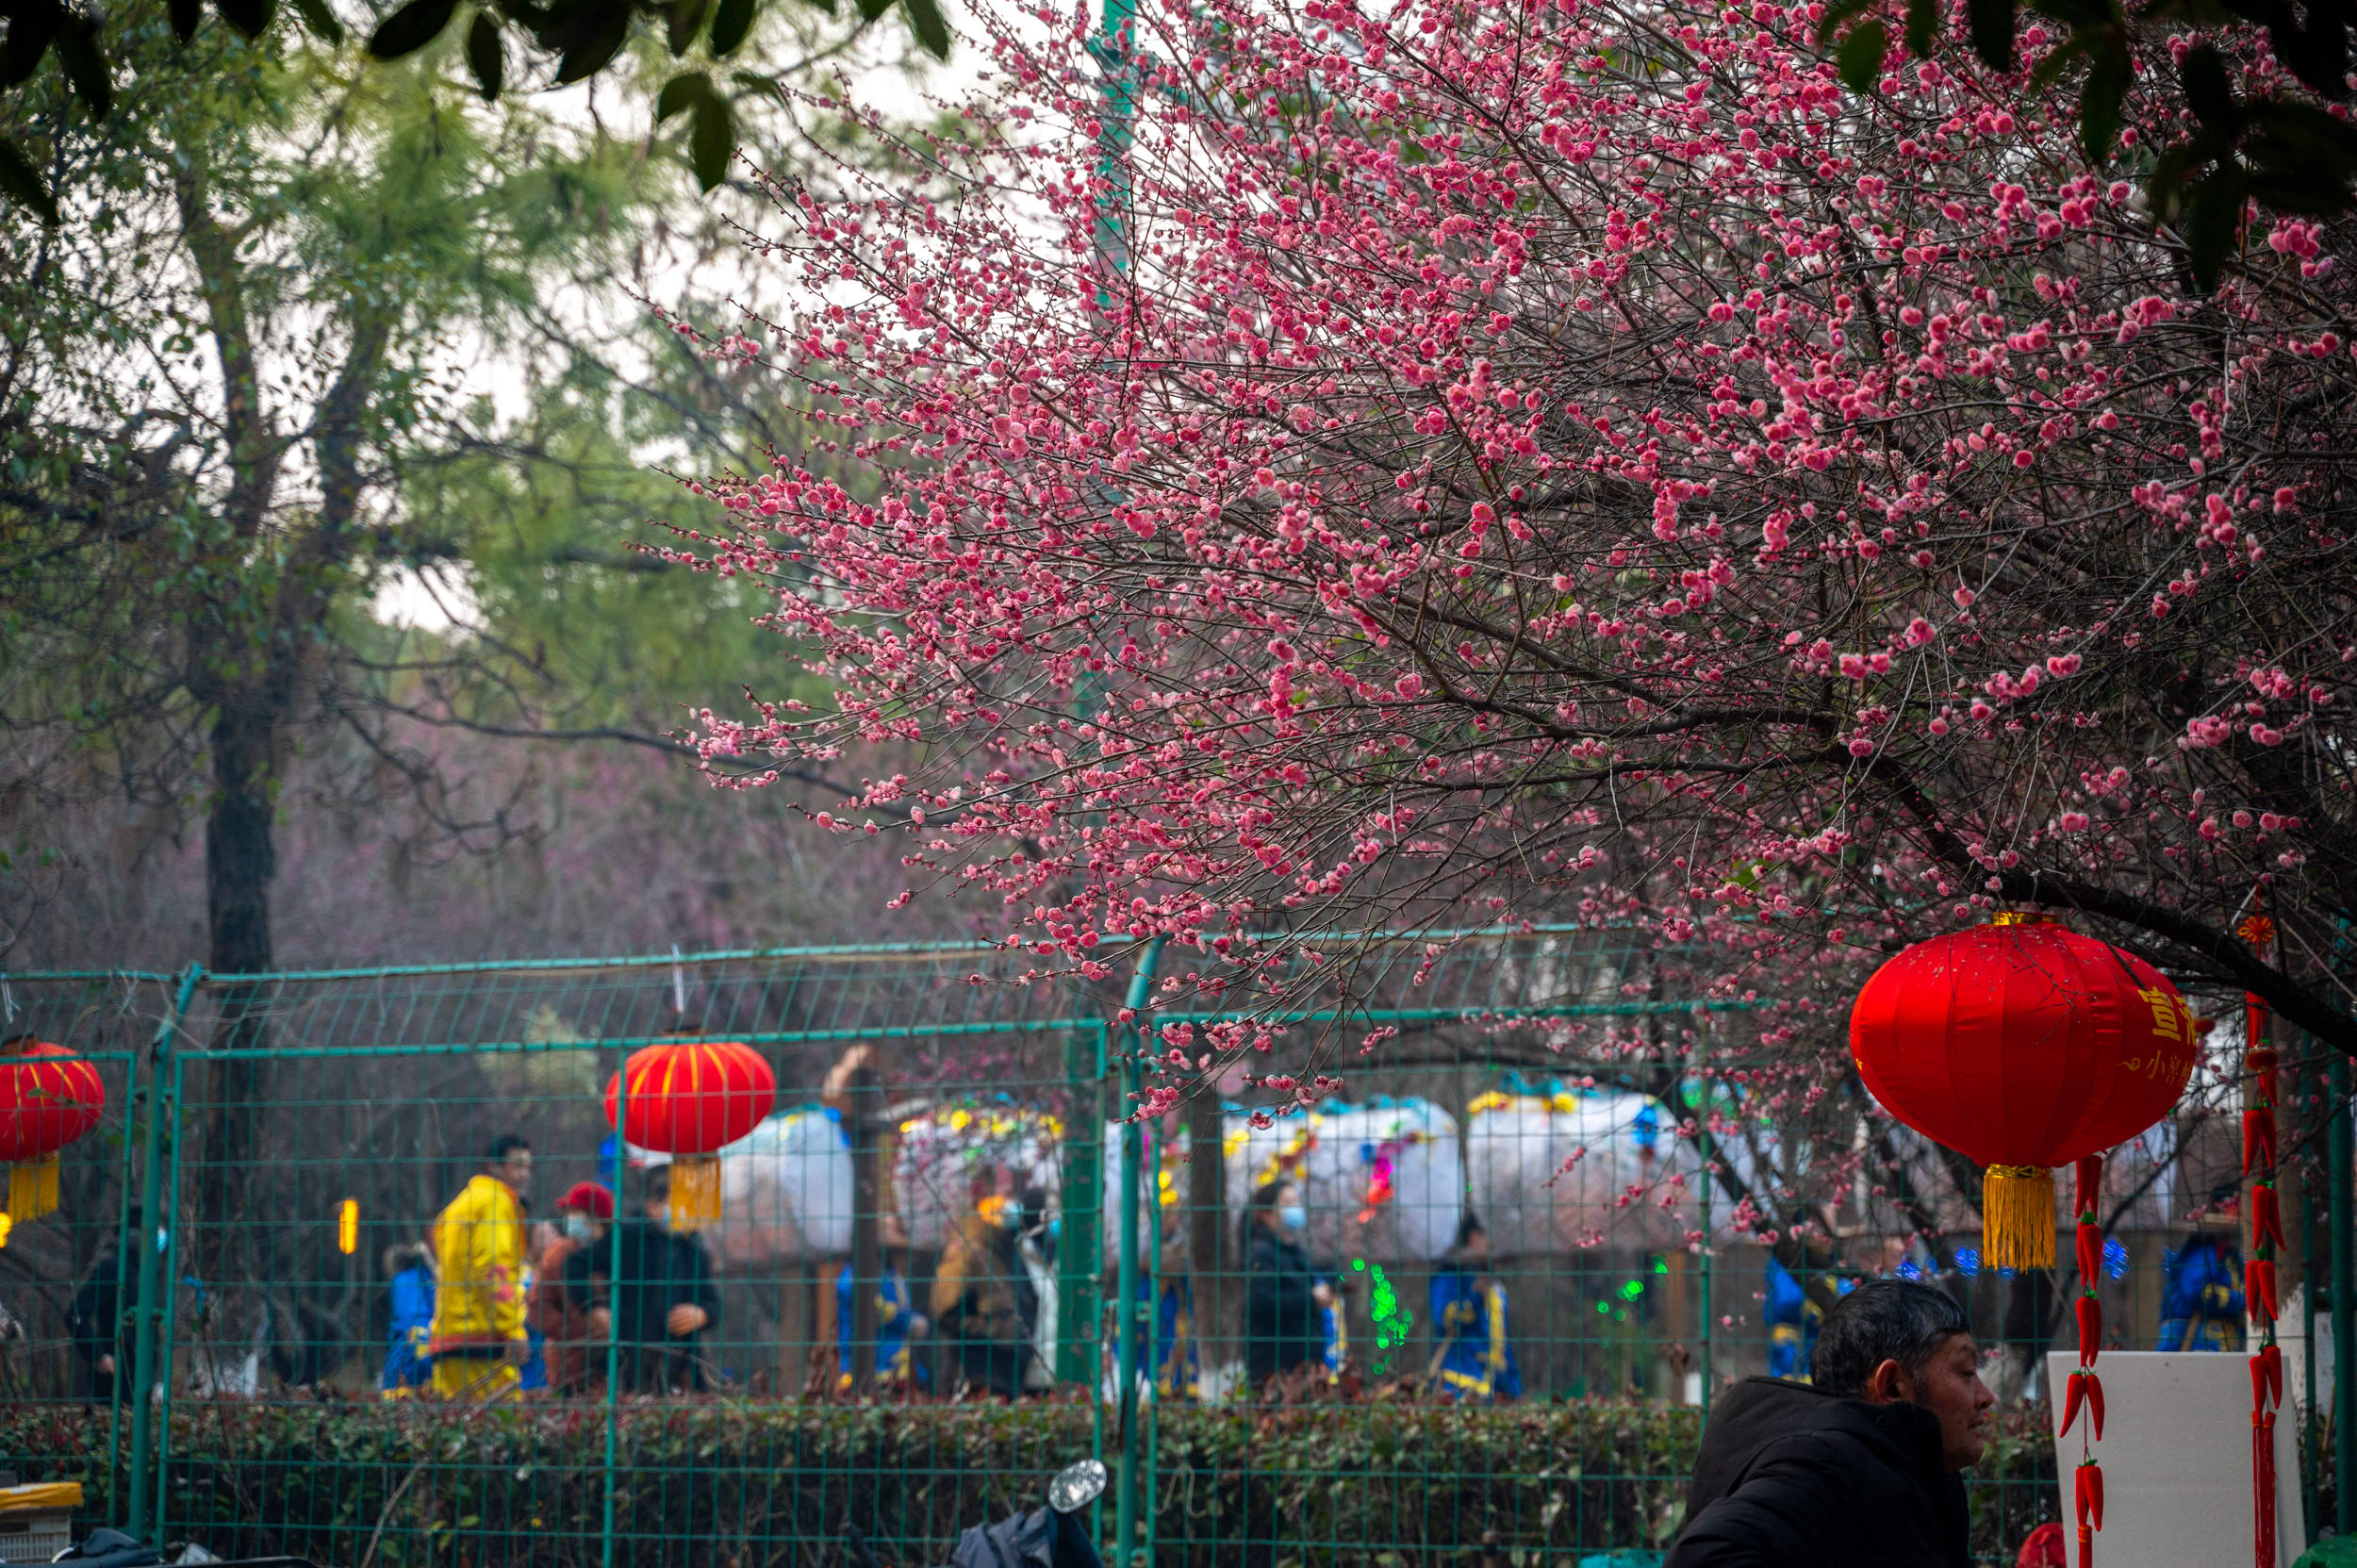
point(2019, 1172)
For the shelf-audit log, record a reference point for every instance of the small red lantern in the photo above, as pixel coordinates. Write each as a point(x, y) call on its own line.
point(2025, 1045)
point(48, 1098)
point(689, 1098)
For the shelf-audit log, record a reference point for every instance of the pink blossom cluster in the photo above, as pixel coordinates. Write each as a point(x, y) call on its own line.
point(1560, 459)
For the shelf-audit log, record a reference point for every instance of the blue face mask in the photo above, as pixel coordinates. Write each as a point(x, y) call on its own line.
point(1292, 1217)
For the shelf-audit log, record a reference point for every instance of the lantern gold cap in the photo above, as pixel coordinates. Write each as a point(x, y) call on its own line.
point(2020, 917)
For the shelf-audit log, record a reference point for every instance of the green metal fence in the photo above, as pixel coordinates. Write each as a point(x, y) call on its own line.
point(1377, 1385)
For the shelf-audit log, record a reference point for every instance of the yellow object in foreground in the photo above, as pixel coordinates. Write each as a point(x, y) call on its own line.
point(42, 1494)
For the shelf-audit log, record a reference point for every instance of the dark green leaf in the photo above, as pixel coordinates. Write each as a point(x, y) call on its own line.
point(1860, 58)
point(2203, 76)
point(84, 67)
point(931, 27)
point(250, 17)
point(184, 18)
point(597, 36)
point(685, 19)
point(747, 82)
point(2304, 192)
point(687, 88)
point(2099, 101)
point(487, 56)
point(1835, 16)
point(22, 183)
point(1923, 27)
point(712, 140)
point(411, 28)
point(2078, 13)
point(2165, 192)
point(870, 9)
point(2057, 60)
point(2284, 133)
point(29, 32)
point(2213, 223)
point(2193, 13)
point(1992, 32)
point(321, 21)
point(729, 24)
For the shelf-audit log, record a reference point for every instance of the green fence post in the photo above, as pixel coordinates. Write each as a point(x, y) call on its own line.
point(1079, 1253)
point(1701, 1294)
point(156, 1218)
point(2344, 1301)
point(613, 1298)
point(1126, 1313)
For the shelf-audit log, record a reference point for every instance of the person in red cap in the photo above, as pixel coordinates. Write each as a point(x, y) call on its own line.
point(582, 1216)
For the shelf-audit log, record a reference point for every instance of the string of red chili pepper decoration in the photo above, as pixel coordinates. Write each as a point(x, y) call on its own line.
point(2266, 1239)
point(2084, 1391)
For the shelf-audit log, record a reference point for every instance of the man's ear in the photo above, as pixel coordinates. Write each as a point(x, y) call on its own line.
point(1888, 1383)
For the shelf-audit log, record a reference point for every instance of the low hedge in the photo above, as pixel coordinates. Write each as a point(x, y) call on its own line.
point(407, 1485)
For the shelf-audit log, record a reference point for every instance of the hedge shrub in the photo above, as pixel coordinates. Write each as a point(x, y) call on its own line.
point(415, 1484)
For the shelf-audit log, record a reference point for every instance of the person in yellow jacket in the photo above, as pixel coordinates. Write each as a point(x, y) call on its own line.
point(478, 1342)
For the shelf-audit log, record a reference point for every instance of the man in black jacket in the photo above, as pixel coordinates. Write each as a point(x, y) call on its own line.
point(658, 1302)
point(1861, 1469)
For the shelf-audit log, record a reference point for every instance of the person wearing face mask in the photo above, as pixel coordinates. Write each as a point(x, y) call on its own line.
point(1285, 1299)
point(582, 1216)
point(650, 1287)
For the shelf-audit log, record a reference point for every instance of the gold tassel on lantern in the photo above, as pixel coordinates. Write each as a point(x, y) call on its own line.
point(2017, 1217)
point(695, 1190)
point(32, 1189)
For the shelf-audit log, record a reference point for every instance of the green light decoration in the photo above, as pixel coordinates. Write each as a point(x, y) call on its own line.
point(1392, 1320)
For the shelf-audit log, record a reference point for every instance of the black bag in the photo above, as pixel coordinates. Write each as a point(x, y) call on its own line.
point(1044, 1539)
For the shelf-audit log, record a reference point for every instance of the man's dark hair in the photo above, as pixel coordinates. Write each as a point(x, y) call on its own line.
point(505, 1145)
point(656, 1182)
point(1883, 1320)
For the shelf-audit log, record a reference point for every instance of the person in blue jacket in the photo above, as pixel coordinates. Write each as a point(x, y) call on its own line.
point(1475, 1358)
point(2201, 1303)
point(898, 1321)
point(409, 1292)
point(1792, 1316)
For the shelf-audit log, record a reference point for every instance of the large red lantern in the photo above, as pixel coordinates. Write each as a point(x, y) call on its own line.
point(2024, 1046)
point(48, 1098)
point(690, 1099)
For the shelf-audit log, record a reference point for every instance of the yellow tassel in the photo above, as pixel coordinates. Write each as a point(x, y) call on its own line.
point(695, 1190)
point(32, 1189)
point(2017, 1217)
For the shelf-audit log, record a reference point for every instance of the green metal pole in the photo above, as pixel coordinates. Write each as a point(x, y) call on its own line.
point(168, 1230)
point(1132, 1076)
point(127, 1287)
point(156, 1220)
point(1080, 1252)
point(1703, 1287)
point(1149, 1311)
point(2344, 1301)
point(613, 1299)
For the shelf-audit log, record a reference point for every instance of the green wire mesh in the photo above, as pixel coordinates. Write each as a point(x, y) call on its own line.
point(308, 1129)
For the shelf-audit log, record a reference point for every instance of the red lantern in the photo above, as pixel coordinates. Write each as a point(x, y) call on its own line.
point(689, 1098)
point(2025, 1045)
point(48, 1098)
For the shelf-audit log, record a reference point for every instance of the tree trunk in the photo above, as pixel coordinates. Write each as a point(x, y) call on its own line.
point(241, 860)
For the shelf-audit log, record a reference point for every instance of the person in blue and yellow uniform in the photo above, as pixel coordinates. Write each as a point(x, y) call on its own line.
point(1178, 1362)
point(1792, 1316)
point(1475, 1358)
point(898, 1321)
point(2201, 1303)
point(409, 1299)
